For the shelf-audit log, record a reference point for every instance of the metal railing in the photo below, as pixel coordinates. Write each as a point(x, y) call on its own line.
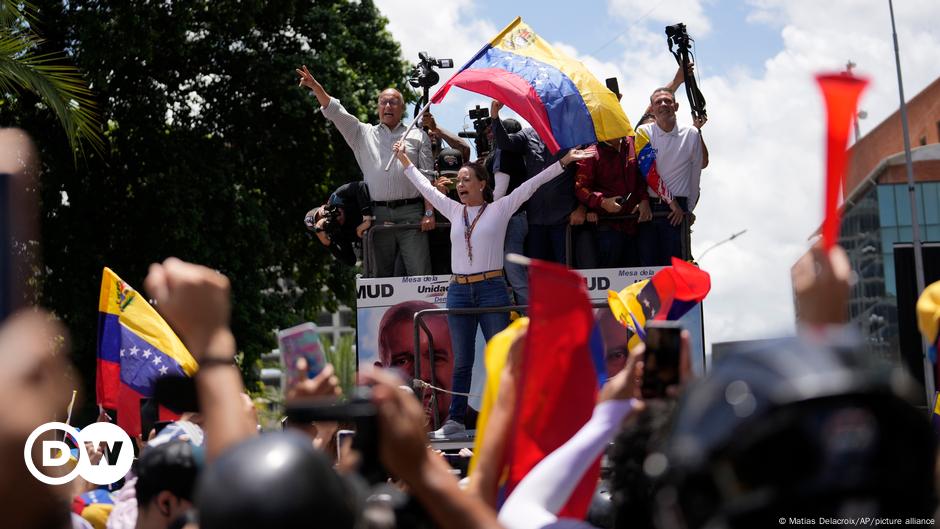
point(685, 242)
point(368, 257)
point(420, 324)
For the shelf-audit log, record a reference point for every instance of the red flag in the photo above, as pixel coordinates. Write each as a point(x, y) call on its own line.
point(562, 369)
point(841, 93)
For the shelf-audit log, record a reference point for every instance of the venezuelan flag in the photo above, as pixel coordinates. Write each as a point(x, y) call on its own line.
point(646, 159)
point(135, 348)
point(562, 371)
point(565, 104)
point(668, 295)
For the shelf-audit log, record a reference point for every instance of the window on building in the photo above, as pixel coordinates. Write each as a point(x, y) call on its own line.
point(923, 140)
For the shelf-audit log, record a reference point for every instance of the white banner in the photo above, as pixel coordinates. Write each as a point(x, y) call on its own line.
point(376, 296)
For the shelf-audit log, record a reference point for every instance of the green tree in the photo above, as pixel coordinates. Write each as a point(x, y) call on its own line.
point(48, 75)
point(213, 153)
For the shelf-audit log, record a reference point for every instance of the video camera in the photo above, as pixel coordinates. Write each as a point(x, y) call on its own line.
point(677, 35)
point(481, 122)
point(679, 44)
point(424, 77)
point(360, 411)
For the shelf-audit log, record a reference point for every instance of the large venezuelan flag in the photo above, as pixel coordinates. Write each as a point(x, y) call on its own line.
point(668, 295)
point(565, 104)
point(562, 371)
point(135, 348)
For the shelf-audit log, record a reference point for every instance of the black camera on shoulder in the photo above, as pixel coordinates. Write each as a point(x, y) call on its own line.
point(481, 122)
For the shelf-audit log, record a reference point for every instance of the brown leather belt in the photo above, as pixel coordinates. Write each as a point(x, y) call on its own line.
point(475, 278)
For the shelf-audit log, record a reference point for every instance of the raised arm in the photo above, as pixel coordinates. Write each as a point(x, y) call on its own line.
point(307, 79)
point(453, 141)
point(195, 302)
point(347, 124)
point(403, 450)
point(432, 196)
point(527, 189)
point(539, 497)
point(515, 142)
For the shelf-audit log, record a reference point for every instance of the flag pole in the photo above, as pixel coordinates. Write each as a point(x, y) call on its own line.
point(462, 68)
point(410, 127)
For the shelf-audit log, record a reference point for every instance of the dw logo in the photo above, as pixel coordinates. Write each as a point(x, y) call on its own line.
point(114, 443)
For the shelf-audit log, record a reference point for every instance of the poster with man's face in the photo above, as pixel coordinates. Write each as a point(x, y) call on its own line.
point(386, 332)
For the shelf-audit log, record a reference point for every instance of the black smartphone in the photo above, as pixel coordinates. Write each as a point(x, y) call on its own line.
point(661, 359)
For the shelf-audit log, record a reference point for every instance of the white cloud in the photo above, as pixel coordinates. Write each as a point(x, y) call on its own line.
point(690, 12)
point(765, 129)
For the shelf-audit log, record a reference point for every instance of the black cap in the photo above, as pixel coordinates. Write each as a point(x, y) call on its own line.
point(449, 161)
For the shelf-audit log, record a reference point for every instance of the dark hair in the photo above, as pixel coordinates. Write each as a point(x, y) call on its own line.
point(481, 174)
point(511, 125)
point(171, 467)
point(663, 89)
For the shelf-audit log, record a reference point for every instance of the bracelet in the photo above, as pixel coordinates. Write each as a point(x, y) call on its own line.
point(216, 361)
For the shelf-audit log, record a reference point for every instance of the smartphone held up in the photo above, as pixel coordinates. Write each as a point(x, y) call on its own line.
point(301, 352)
point(661, 365)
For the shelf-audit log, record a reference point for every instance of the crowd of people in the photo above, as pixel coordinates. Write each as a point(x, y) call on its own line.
point(796, 431)
point(618, 220)
point(792, 429)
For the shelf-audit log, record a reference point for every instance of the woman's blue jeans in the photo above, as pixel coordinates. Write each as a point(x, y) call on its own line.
point(463, 331)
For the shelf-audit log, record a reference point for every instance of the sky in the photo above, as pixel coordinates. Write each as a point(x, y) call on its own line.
point(755, 61)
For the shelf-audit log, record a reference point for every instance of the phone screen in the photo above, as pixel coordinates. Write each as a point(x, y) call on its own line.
point(301, 353)
point(661, 359)
point(344, 440)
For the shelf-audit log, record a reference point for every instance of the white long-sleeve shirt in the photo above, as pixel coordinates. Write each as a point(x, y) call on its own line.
point(372, 146)
point(535, 502)
point(490, 231)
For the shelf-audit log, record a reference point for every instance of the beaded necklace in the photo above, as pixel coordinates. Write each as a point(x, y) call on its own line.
point(468, 228)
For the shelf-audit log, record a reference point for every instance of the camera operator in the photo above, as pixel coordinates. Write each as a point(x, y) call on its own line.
point(342, 221)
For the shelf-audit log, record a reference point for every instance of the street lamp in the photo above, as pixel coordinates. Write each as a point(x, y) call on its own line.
point(719, 243)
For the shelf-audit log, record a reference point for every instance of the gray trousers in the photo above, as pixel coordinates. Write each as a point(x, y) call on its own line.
point(412, 245)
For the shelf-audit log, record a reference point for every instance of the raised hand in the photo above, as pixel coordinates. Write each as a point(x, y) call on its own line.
point(399, 149)
point(193, 299)
point(575, 155)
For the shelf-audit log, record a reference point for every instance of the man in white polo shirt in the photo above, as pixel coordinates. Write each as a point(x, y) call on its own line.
point(679, 164)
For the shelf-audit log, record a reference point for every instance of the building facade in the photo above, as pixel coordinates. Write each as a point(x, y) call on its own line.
point(877, 215)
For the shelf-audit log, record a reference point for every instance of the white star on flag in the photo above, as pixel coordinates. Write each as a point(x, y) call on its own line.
point(122, 353)
point(156, 360)
point(163, 370)
point(147, 353)
point(134, 350)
